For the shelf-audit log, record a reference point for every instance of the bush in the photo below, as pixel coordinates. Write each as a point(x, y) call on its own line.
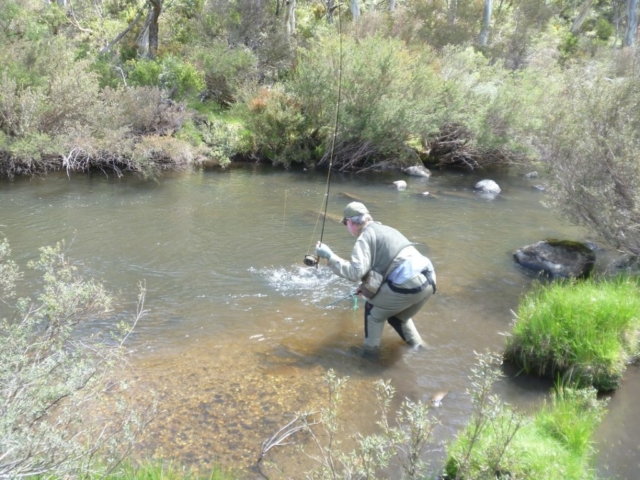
point(179, 78)
point(390, 96)
point(55, 375)
point(491, 114)
point(403, 438)
point(584, 331)
point(592, 140)
point(144, 72)
point(225, 70)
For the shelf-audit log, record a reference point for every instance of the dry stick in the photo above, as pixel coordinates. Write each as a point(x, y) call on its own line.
point(278, 439)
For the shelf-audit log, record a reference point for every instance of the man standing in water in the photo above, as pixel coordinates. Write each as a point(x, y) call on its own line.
point(396, 279)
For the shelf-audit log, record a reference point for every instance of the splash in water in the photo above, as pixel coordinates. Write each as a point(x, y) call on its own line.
point(318, 286)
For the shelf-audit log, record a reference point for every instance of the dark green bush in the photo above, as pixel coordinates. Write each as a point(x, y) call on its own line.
point(225, 70)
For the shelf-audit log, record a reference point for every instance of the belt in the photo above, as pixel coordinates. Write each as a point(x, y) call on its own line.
point(425, 272)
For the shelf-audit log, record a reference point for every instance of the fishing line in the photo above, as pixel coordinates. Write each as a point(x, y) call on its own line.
point(311, 260)
point(284, 213)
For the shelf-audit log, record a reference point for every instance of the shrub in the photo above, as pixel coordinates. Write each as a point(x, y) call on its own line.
point(390, 96)
point(144, 72)
point(178, 77)
point(591, 146)
point(490, 115)
point(225, 69)
point(403, 439)
point(215, 141)
point(55, 375)
point(277, 128)
point(585, 331)
point(181, 78)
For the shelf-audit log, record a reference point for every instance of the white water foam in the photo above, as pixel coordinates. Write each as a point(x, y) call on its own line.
point(315, 285)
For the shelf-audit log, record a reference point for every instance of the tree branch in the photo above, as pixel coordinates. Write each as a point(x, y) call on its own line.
point(124, 32)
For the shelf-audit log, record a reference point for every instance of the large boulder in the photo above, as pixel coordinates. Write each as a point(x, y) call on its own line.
point(558, 258)
point(417, 171)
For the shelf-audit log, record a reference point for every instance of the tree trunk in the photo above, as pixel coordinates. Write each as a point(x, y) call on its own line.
point(582, 16)
point(143, 38)
point(486, 23)
point(330, 8)
point(123, 33)
point(355, 9)
point(290, 16)
point(632, 23)
point(392, 5)
point(156, 9)
point(452, 12)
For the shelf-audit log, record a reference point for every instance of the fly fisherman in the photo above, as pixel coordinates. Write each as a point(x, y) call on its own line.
point(396, 279)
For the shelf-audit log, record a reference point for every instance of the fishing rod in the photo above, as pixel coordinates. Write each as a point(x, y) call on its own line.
point(312, 260)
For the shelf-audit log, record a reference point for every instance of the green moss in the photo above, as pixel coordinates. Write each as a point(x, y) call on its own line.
point(572, 245)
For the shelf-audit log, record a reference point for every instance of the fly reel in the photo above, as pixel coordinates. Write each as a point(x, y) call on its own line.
point(310, 260)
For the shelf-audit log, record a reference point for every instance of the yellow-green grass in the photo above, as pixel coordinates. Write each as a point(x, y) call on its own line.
point(553, 443)
point(161, 470)
point(584, 331)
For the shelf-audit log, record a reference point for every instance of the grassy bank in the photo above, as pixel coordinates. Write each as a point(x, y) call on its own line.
point(552, 443)
point(586, 332)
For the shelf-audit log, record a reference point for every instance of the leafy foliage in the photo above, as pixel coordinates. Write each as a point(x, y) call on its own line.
point(54, 376)
point(593, 140)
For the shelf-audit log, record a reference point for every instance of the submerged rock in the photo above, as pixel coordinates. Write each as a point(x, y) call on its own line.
point(488, 186)
point(417, 171)
point(351, 197)
point(628, 264)
point(558, 258)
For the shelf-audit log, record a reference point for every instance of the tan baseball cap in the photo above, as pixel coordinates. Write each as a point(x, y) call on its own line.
point(353, 210)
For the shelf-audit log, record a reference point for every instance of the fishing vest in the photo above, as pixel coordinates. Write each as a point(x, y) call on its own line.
point(385, 244)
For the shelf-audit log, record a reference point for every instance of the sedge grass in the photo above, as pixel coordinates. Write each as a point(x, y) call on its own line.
point(554, 443)
point(161, 470)
point(584, 331)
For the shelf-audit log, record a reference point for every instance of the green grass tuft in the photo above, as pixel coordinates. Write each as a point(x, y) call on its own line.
point(159, 470)
point(553, 443)
point(585, 331)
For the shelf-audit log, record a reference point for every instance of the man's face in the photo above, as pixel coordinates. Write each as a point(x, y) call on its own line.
point(353, 228)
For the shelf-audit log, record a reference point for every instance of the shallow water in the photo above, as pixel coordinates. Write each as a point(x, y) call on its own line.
point(238, 335)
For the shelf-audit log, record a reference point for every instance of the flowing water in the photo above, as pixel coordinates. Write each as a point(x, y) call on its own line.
point(239, 336)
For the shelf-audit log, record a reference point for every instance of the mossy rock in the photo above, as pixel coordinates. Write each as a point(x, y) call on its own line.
point(558, 258)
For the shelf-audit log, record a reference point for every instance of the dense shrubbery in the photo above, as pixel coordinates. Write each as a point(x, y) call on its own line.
point(584, 331)
point(395, 101)
point(593, 140)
